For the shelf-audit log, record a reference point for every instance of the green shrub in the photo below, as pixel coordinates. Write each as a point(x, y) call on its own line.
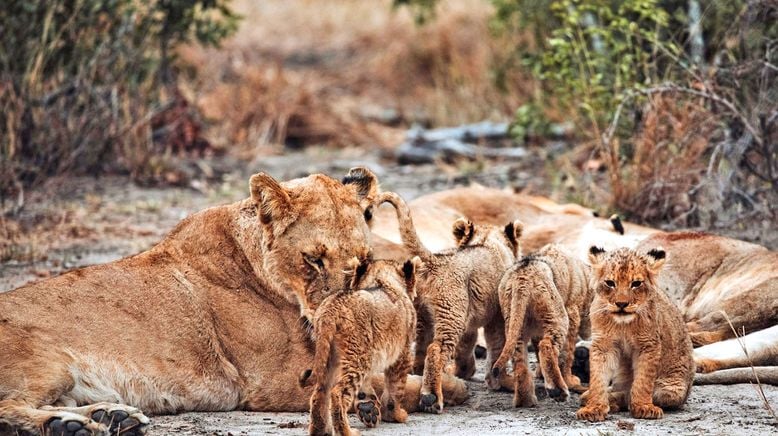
point(81, 79)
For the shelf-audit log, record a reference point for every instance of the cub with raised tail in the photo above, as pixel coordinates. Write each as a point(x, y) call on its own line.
point(457, 294)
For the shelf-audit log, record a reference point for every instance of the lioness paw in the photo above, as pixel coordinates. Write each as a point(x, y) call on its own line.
point(71, 424)
point(121, 420)
point(592, 414)
point(646, 411)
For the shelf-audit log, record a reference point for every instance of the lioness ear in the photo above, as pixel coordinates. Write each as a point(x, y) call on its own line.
point(656, 257)
point(270, 198)
point(595, 254)
point(463, 230)
point(365, 182)
point(616, 223)
point(513, 232)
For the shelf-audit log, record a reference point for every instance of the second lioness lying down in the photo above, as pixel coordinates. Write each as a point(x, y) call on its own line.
point(545, 297)
point(457, 294)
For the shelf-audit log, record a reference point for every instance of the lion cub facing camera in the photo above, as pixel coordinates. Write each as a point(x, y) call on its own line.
point(639, 339)
point(368, 327)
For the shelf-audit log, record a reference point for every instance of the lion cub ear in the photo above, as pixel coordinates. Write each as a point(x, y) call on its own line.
point(656, 258)
point(365, 182)
point(595, 255)
point(463, 231)
point(357, 270)
point(271, 199)
point(513, 232)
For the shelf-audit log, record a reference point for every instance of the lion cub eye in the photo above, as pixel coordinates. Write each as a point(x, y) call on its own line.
point(610, 283)
point(636, 283)
point(314, 261)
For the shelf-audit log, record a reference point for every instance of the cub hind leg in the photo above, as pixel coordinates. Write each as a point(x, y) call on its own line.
point(524, 385)
point(449, 327)
point(342, 395)
point(554, 340)
point(396, 376)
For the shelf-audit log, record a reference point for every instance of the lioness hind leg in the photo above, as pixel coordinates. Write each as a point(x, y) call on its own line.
point(21, 416)
point(121, 420)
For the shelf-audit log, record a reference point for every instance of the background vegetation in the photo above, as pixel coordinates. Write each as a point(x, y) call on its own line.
point(673, 103)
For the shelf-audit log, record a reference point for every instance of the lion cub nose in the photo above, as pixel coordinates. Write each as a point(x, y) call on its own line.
point(622, 305)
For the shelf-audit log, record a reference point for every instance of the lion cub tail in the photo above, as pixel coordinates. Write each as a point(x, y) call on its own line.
point(324, 360)
point(513, 342)
point(408, 233)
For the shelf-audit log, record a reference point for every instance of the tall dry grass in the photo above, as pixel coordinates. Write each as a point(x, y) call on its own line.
point(343, 72)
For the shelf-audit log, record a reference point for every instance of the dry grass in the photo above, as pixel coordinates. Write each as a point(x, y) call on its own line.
point(344, 72)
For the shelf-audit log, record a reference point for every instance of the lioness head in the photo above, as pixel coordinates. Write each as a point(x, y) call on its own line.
point(311, 228)
point(624, 279)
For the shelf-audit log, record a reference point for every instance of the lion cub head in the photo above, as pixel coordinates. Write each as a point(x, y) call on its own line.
point(468, 234)
point(311, 229)
point(624, 281)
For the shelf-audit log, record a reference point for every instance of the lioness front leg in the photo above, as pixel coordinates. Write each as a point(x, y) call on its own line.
point(641, 395)
point(120, 419)
point(603, 363)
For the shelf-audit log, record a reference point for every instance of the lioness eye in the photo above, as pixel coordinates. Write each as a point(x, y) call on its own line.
point(610, 283)
point(314, 261)
point(636, 283)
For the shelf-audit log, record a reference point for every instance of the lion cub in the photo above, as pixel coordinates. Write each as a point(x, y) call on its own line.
point(546, 297)
point(368, 327)
point(457, 293)
point(639, 339)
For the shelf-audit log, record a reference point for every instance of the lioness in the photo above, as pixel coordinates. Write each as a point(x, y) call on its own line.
point(365, 328)
point(206, 320)
point(639, 340)
point(713, 278)
point(545, 222)
point(457, 293)
point(544, 296)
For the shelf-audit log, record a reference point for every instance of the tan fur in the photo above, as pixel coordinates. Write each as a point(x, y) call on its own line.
point(544, 297)
point(639, 340)
point(457, 295)
point(208, 319)
point(366, 328)
point(709, 276)
point(545, 222)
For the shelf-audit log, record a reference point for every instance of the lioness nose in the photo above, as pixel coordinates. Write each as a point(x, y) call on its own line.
point(622, 305)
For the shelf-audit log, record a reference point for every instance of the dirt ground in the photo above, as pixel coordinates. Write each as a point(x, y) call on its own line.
point(86, 221)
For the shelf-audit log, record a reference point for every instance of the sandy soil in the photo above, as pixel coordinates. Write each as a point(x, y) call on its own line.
point(724, 410)
point(102, 220)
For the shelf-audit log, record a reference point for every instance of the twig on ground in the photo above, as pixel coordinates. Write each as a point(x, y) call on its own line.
point(758, 387)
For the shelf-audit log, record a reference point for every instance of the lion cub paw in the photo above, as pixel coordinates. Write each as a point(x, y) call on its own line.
point(368, 409)
point(646, 411)
point(429, 403)
point(592, 414)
